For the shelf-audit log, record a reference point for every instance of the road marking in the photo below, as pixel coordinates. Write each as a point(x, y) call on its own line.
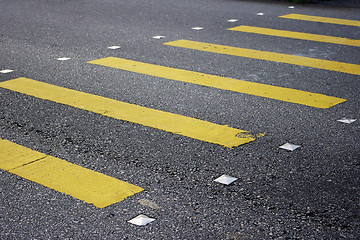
point(170, 122)
point(158, 37)
point(114, 47)
point(269, 56)
point(225, 179)
point(347, 120)
point(60, 175)
point(257, 89)
point(289, 146)
point(141, 220)
point(322, 19)
point(297, 35)
point(63, 59)
point(13, 155)
point(6, 71)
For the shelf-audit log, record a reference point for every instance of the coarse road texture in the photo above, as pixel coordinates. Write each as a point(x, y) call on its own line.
point(113, 109)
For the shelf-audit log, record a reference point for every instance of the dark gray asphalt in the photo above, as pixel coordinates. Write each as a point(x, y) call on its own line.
point(310, 193)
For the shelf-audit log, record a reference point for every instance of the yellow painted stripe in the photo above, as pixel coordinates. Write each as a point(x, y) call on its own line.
point(14, 156)
point(257, 89)
point(182, 125)
point(322, 19)
point(269, 56)
point(60, 175)
point(297, 35)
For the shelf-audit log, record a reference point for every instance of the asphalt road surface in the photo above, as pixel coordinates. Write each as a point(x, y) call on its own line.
point(113, 109)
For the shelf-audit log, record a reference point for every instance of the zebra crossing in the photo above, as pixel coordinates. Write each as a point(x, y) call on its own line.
point(268, 56)
point(230, 84)
point(79, 182)
point(182, 125)
point(59, 174)
point(297, 35)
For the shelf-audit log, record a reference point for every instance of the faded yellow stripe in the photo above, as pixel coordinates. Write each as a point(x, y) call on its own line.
point(60, 175)
point(257, 89)
point(297, 35)
point(170, 122)
point(14, 156)
point(322, 19)
point(269, 56)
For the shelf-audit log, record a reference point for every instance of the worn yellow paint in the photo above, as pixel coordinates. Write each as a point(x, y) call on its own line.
point(13, 155)
point(182, 125)
point(257, 89)
point(297, 35)
point(60, 175)
point(269, 56)
point(322, 19)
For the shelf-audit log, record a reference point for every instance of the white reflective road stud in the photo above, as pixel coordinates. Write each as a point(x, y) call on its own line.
point(346, 120)
point(260, 14)
point(289, 146)
point(225, 179)
point(197, 28)
point(114, 47)
point(6, 71)
point(141, 220)
point(232, 20)
point(291, 7)
point(63, 58)
point(158, 37)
